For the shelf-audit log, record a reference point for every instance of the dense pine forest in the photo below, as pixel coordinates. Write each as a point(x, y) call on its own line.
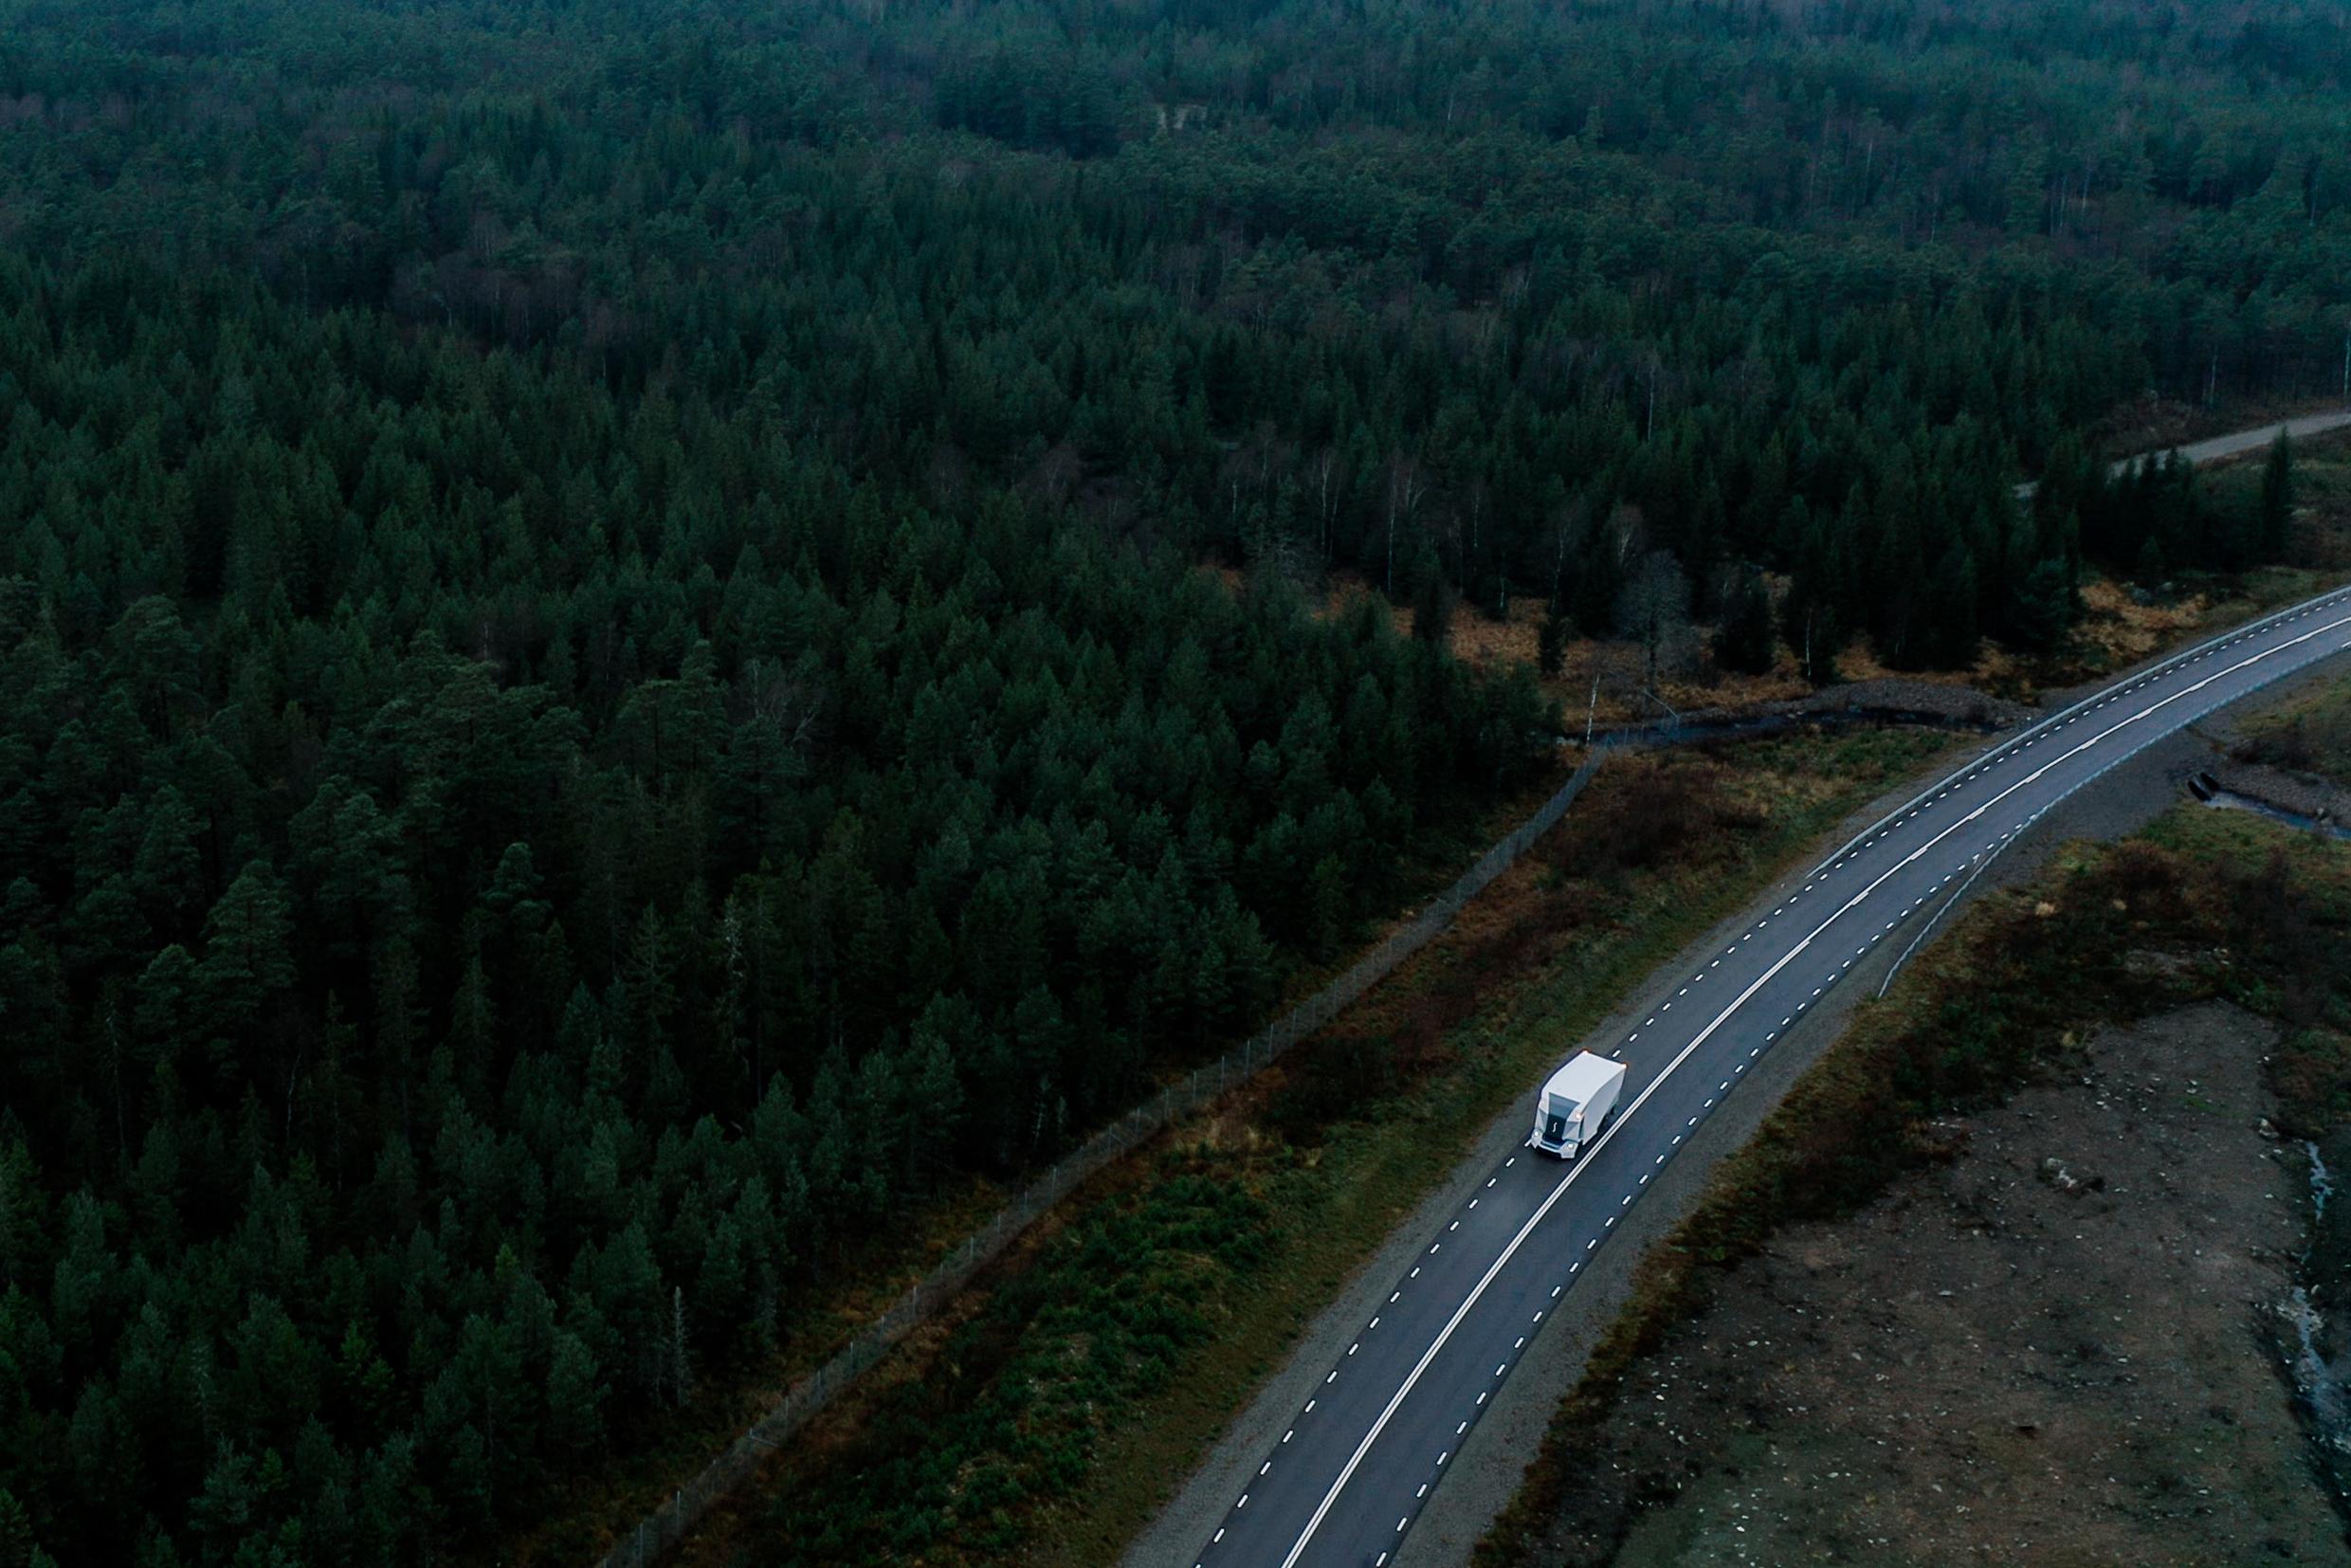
point(608, 663)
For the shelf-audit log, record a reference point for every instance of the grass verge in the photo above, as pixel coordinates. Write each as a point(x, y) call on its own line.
point(2310, 735)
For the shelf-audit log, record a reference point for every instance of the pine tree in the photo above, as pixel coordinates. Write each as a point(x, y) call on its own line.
point(2277, 497)
point(248, 960)
point(1743, 642)
point(678, 1366)
point(2042, 605)
point(574, 1395)
point(1432, 608)
point(1551, 643)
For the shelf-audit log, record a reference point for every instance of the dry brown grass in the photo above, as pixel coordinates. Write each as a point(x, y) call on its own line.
point(2128, 630)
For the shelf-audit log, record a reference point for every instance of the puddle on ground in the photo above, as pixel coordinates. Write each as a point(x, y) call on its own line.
point(2228, 800)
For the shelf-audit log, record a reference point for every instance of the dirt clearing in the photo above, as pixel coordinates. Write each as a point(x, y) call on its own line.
point(2050, 1347)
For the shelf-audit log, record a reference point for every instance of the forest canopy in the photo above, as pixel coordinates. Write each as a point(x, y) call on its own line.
point(609, 662)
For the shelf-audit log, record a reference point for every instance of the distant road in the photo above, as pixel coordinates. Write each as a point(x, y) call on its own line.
point(2235, 443)
point(1353, 1467)
point(2248, 441)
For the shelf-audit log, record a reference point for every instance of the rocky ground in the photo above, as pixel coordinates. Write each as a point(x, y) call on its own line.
point(2058, 1346)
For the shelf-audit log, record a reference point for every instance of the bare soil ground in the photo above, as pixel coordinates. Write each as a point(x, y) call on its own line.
point(2050, 1348)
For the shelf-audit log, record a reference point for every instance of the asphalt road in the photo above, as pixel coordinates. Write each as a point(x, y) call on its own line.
point(1347, 1479)
point(2233, 445)
point(2249, 441)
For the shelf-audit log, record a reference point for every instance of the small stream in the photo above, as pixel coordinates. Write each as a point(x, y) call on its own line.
point(2320, 1384)
point(2228, 800)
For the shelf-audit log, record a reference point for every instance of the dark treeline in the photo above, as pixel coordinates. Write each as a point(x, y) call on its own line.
point(602, 668)
point(493, 896)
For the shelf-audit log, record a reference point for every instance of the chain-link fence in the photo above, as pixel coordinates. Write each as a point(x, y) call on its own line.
point(669, 1524)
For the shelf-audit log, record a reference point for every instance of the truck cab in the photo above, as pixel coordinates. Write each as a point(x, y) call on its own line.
point(1575, 1105)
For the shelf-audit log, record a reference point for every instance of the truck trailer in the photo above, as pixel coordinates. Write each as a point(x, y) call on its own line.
point(1576, 1105)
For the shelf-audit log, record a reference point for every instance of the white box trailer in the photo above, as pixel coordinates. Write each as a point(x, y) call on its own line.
point(1576, 1105)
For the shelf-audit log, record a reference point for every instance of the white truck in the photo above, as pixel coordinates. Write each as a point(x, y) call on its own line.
point(1576, 1105)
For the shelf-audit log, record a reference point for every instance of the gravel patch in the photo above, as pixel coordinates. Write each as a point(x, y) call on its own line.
point(2288, 791)
point(2052, 1348)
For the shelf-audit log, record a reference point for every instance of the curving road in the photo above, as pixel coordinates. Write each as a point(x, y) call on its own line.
point(2213, 448)
point(1347, 1479)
